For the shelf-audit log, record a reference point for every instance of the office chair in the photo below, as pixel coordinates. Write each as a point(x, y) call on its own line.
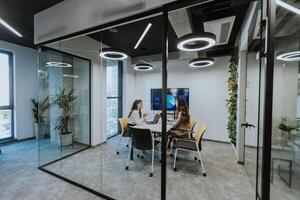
point(125, 133)
point(142, 139)
point(189, 132)
point(191, 127)
point(193, 145)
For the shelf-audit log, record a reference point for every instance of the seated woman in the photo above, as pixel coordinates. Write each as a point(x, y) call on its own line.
point(181, 124)
point(136, 116)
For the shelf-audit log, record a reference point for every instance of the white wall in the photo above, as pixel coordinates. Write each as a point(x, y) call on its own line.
point(208, 91)
point(25, 87)
point(71, 16)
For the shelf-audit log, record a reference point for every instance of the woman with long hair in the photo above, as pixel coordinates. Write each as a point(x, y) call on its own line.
point(136, 116)
point(182, 120)
point(182, 115)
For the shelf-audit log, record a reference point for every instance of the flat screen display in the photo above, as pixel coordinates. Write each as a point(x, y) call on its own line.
point(172, 95)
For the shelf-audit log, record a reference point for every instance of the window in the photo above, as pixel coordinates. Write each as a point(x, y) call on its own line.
point(114, 87)
point(6, 91)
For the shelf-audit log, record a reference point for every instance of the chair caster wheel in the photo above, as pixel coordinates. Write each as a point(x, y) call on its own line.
point(204, 174)
point(177, 158)
point(151, 175)
point(127, 168)
point(138, 155)
point(175, 169)
point(142, 157)
point(195, 158)
point(127, 145)
point(171, 155)
point(117, 152)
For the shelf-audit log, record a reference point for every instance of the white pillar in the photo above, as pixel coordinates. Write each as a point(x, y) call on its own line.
point(241, 106)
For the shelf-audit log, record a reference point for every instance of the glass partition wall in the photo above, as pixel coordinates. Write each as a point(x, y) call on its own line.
point(285, 149)
point(204, 70)
point(113, 82)
point(63, 106)
point(126, 90)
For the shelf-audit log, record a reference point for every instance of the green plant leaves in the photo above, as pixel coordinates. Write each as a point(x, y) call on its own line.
point(63, 100)
point(232, 86)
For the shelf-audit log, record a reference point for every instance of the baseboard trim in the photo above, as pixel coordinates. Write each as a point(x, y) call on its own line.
point(13, 141)
point(211, 140)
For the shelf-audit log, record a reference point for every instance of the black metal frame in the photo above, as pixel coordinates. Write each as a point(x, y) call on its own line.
point(268, 88)
point(11, 94)
point(268, 103)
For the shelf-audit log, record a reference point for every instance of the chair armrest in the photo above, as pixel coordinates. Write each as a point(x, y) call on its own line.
point(187, 140)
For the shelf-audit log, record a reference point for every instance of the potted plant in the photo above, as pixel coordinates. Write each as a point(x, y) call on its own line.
point(39, 109)
point(288, 134)
point(63, 100)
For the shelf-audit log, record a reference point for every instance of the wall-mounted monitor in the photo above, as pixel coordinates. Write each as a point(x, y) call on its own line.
point(172, 95)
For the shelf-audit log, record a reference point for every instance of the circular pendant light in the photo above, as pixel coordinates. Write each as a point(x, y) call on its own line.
point(112, 54)
point(289, 56)
point(58, 64)
point(196, 41)
point(201, 62)
point(143, 67)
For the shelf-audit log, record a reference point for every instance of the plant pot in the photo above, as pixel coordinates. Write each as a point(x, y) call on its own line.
point(36, 130)
point(39, 130)
point(65, 139)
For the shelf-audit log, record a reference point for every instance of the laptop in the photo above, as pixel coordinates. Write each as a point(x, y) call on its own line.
point(155, 120)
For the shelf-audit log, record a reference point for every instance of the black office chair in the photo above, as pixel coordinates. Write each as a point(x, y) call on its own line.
point(142, 139)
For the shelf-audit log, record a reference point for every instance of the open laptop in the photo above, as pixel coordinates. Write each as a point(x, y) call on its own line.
point(155, 120)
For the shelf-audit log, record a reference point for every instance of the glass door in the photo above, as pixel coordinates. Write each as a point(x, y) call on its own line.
point(285, 143)
point(6, 100)
point(254, 99)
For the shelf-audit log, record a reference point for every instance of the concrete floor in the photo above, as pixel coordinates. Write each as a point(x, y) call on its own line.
point(20, 178)
point(101, 169)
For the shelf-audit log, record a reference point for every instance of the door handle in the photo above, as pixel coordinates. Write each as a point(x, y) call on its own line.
point(247, 125)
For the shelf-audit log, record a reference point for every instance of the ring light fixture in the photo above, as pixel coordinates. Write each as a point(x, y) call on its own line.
point(143, 67)
point(58, 64)
point(201, 62)
point(112, 54)
point(70, 76)
point(196, 41)
point(289, 56)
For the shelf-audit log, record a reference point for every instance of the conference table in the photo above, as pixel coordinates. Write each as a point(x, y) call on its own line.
point(154, 128)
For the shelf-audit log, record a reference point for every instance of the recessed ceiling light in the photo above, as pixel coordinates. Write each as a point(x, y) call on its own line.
point(143, 35)
point(111, 54)
point(143, 67)
point(289, 56)
point(196, 41)
point(58, 64)
point(10, 28)
point(288, 6)
point(201, 62)
point(70, 76)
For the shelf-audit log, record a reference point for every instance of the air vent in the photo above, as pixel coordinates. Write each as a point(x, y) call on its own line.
point(221, 28)
point(224, 32)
